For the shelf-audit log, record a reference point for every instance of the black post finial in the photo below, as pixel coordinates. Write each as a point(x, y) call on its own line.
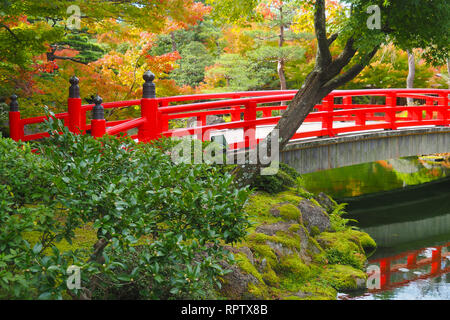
point(14, 105)
point(149, 87)
point(74, 89)
point(98, 111)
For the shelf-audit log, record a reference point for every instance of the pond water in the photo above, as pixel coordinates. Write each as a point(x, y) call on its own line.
point(404, 204)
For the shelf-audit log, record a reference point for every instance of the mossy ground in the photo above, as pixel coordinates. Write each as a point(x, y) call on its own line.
point(85, 238)
point(332, 261)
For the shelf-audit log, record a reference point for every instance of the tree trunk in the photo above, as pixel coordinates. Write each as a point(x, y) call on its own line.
point(280, 69)
point(326, 76)
point(174, 44)
point(280, 65)
point(411, 75)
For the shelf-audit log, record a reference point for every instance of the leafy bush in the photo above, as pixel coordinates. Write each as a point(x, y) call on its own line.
point(159, 227)
point(22, 171)
point(4, 128)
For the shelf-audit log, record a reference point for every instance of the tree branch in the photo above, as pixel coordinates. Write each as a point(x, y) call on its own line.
point(70, 58)
point(340, 62)
point(332, 38)
point(350, 73)
point(323, 50)
point(10, 31)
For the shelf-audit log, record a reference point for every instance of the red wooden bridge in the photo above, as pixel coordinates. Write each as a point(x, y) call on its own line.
point(340, 112)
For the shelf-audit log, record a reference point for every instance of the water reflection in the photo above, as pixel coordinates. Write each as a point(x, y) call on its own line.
point(418, 274)
point(377, 176)
point(412, 231)
point(404, 204)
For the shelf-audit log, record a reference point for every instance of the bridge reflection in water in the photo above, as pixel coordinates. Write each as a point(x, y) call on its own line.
point(399, 270)
point(412, 231)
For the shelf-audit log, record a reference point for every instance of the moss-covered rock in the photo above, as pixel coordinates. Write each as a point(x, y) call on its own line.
point(346, 247)
point(325, 202)
point(285, 257)
point(314, 215)
point(344, 277)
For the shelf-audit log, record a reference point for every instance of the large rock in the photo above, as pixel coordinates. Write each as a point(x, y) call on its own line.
point(235, 284)
point(314, 217)
point(306, 246)
point(326, 202)
point(272, 229)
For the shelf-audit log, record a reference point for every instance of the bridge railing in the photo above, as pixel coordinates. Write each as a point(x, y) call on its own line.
point(342, 111)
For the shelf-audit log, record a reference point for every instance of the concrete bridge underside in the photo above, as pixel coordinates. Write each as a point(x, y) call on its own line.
point(327, 153)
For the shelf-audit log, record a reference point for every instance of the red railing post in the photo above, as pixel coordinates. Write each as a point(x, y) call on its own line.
point(347, 100)
point(16, 131)
point(327, 119)
point(416, 113)
point(443, 114)
point(77, 120)
point(436, 258)
point(391, 102)
point(429, 113)
point(164, 117)
point(250, 130)
point(236, 113)
point(360, 118)
point(98, 122)
point(412, 260)
point(446, 106)
point(385, 273)
point(152, 127)
point(202, 121)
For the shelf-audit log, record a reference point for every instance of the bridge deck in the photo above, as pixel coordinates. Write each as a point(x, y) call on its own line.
point(237, 135)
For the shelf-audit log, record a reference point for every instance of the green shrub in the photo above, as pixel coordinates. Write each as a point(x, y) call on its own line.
point(301, 191)
point(4, 128)
point(160, 227)
point(22, 171)
point(282, 180)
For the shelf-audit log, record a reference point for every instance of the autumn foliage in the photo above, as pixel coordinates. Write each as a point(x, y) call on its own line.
point(181, 44)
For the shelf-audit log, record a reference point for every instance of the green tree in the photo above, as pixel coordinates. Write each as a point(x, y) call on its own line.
point(408, 24)
point(274, 37)
point(238, 73)
point(30, 28)
point(389, 70)
point(194, 58)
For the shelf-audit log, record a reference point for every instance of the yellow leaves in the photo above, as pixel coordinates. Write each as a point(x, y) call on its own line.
point(304, 20)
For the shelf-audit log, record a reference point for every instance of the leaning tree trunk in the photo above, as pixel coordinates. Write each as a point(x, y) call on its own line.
point(326, 76)
point(411, 75)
